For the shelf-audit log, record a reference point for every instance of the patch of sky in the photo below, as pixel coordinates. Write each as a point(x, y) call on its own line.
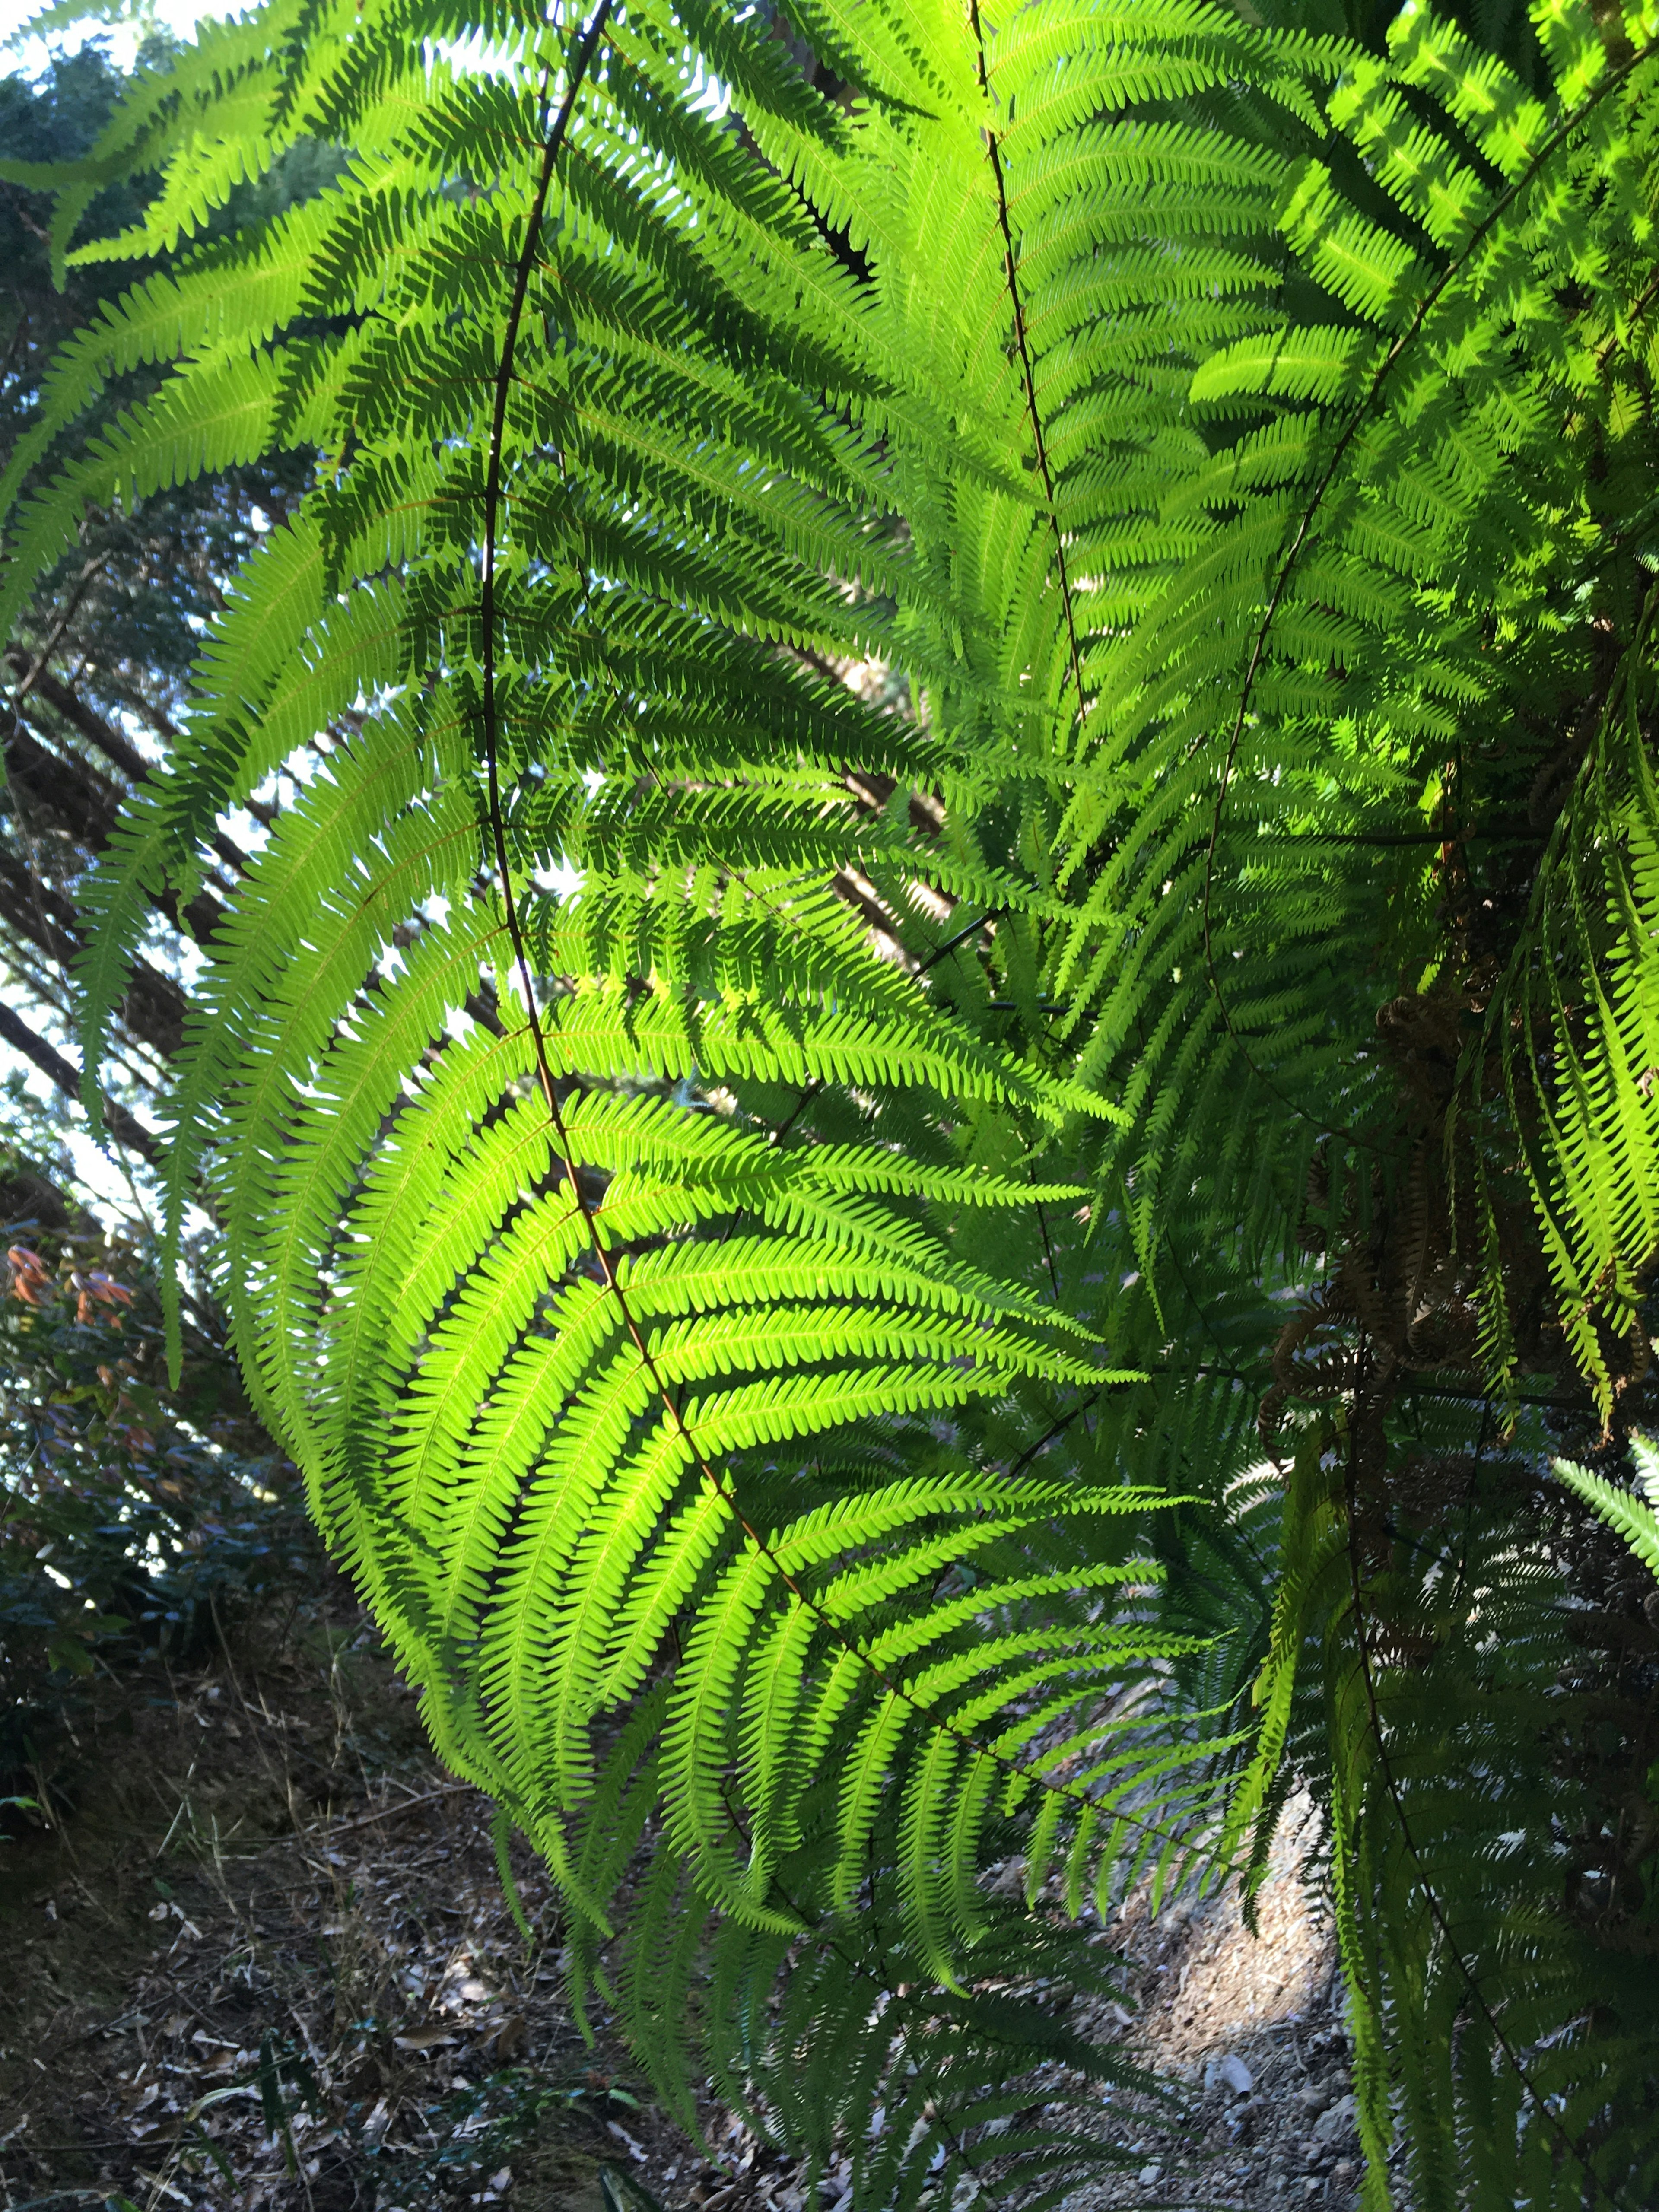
point(563, 881)
point(29, 34)
point(120, 1183)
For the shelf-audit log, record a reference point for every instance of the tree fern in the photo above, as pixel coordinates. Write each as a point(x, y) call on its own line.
point(787, 1333)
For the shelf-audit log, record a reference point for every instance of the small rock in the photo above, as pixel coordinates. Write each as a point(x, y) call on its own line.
point(1150, 2176)
point(1335, 2122)
point(1245, 2121)
point(1229, 2073)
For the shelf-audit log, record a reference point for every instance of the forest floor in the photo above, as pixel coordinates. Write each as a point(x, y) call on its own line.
point(263, 1961)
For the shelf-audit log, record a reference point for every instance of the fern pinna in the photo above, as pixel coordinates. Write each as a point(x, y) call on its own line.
point(779, 1215)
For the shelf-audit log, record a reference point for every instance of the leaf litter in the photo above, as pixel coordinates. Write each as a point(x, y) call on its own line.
point(261, 1959)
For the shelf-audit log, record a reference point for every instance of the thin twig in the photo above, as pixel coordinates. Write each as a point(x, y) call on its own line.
point(329, 1828)
point(1028, 376)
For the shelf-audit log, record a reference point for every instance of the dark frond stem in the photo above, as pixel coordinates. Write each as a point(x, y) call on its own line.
point(961, 937)
point(1039, 443)
point(1558, 138)
point(1047, 1248)
point(1574, 2149)
point(1425, 1385)
point(581, 61)
point(1056, 1429)
point(1010, 264)
point(1054, 1276)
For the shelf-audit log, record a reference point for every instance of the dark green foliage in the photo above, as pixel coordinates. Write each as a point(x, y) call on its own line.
point(134, 1513)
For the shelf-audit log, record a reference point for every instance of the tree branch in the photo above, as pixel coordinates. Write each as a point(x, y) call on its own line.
point(126, 1128)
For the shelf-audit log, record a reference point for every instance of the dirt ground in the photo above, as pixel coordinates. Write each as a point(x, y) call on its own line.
point(263, 1960)
point(1253, 2024)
